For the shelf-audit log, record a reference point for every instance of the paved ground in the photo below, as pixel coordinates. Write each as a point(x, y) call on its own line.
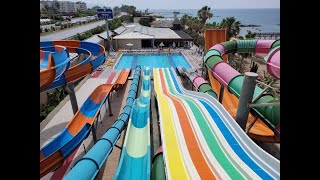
point(70, 32)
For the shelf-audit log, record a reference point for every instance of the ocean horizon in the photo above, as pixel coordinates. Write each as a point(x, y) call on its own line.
point(267, 18)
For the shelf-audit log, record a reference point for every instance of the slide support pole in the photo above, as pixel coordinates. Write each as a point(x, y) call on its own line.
point(246, 95)
point(73, 98)
point(109, 105)
point(221, 93)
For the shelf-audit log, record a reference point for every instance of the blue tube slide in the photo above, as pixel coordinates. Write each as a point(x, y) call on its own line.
point(89, 166)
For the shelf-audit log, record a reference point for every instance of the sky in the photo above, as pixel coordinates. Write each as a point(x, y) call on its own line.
point(186, 4)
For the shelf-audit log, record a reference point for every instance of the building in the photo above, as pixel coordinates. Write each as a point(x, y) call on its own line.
point(64, 6)
point(146, 37)
point(81, 6)
point(67, 6)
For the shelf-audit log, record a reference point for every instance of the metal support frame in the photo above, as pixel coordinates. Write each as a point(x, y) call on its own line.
point(93, 131)
point(251, 124)
point(264, 104)
point(246, 95)
point(84, 148)
point(72, 96)
point(119, 147)
point(221, 93)
point(109, 39)
point(264, 90)
point(109, 106)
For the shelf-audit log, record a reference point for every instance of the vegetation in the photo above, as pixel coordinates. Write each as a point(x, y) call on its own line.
point(124, 8)
point(145, 22)
point(117, 22)
point(88, 12)
point(54, 98)
point(232, 27)
point(254, 68)
point(250, 35)
point(204, 13)
point(89, 33)
point(195, 26)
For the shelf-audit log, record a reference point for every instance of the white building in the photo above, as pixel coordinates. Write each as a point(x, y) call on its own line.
point(81, 6)
point(67, 6)
point(64, 6)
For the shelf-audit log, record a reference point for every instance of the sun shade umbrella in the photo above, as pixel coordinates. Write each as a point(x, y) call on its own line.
point(161, 44)
point(129, 44)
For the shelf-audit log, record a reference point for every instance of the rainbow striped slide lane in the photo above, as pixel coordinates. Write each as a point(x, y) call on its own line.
point(55, 67)
point(232, 79)
point(89, 166)
point(178, 126)
point(135, 156)
point(231, 154)
point(198, 82)
point(55, 152)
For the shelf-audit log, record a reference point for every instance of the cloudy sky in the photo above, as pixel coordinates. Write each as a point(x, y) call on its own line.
point(186, 4)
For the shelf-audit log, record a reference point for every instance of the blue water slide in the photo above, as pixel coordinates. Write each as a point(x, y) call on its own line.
point(135, 157)
point(89, 166)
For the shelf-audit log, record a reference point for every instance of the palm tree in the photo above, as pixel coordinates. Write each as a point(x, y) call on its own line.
point(204, 13)
point(231, 25)
point(184, 19)
point(250, 35)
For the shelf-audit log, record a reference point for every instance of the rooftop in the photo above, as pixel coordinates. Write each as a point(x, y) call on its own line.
point(137, 31)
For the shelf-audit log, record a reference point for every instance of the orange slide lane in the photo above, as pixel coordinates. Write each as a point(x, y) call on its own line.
point(78, 126)
point(197, 157)
point(259, 130)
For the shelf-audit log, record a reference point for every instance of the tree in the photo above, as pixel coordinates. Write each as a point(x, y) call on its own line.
point(250, 35)
point(56, 7)
point(204, 13)
point(96, 7)
point(231, 25)
point(145, 22)
point(116, 11)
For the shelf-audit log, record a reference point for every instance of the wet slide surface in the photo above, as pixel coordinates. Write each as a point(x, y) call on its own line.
point(54, 153)
point(228, 156)
point(135, 157)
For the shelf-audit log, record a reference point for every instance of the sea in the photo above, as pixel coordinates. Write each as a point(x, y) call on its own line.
point(268, 19)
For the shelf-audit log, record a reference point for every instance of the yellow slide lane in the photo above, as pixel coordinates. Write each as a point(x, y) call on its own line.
point(174, 161)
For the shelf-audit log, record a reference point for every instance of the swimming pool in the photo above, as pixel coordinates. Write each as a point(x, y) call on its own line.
point(152, 61)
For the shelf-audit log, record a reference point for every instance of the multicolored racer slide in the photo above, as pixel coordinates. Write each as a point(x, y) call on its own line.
point(54, 153)
point(200, 139)
point(55, 67)
point(135, 156)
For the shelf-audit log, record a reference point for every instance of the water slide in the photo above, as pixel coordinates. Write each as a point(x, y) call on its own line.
point(135, 155)
point(158, 169)
point(201, 140)
point(89, 166)
point(232, 79)
point(55, 67)
point(198, 82)
point(55, 152)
